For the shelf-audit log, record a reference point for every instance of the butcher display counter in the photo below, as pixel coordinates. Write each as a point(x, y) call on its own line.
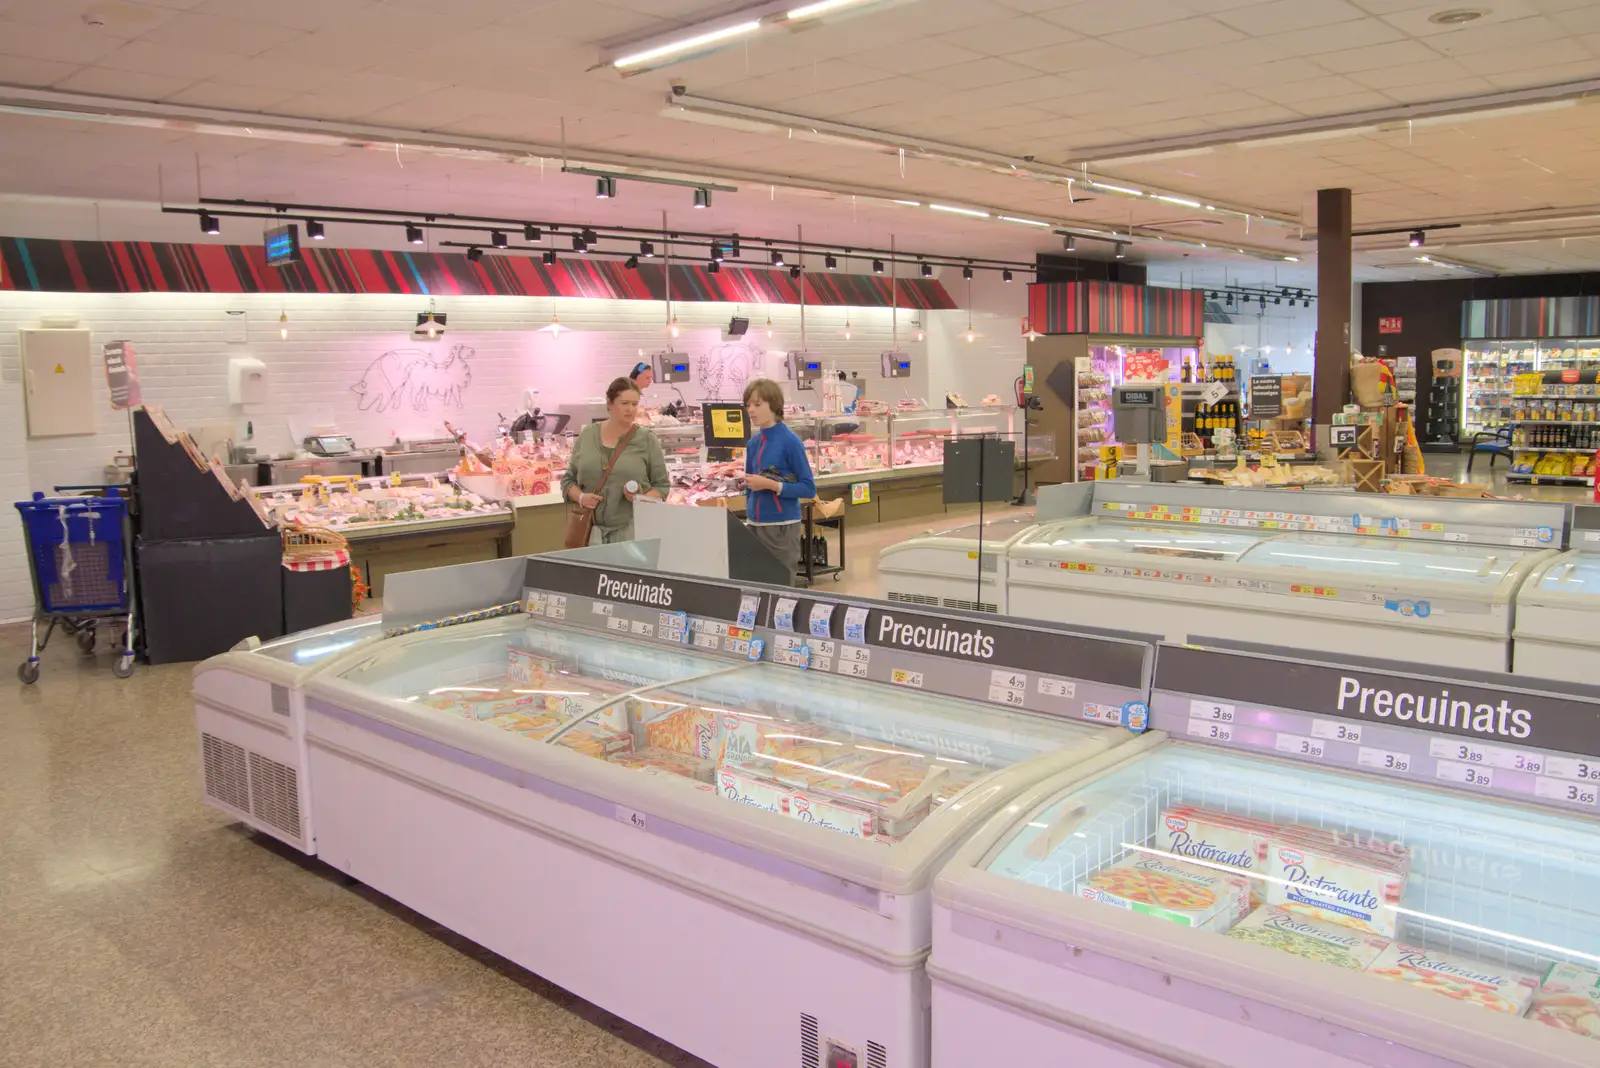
point(1323, 864)
point(1361, 574)
point(1558, 610)
point(645, 758)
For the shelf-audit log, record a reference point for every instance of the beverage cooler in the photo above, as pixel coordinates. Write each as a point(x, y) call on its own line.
point(1318, 864)
point(1558, 610)
point(1359, 574)
point(713, 810)
point(250, 717)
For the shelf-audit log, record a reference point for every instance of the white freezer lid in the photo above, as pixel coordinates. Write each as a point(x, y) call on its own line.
point(1387, 559)
point(308, 647)
point(997, 534)
point(1571, 580)
point(1070, 538)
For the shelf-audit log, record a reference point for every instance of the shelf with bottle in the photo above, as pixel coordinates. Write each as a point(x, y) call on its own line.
point(1583, 437)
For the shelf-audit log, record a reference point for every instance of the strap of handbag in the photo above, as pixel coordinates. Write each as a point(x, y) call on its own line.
point(616, 454)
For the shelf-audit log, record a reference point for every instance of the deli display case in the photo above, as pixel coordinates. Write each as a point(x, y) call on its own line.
point(631, 763)
point(1291, 871)
point(1558, 610)
point(250, 724)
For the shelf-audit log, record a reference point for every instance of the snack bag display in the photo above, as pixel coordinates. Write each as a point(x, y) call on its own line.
point(1180, 893)
point(1569, 998)
point(1293, 933)
point(1350, 886)
point(1488, 986)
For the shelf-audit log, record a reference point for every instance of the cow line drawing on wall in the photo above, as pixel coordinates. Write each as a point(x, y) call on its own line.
point(402, 375)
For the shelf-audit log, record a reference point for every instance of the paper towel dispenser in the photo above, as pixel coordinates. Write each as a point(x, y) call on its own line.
point(247, 380)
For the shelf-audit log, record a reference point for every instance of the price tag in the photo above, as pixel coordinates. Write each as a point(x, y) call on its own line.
point(821, 620)
point(853, 668)
point(1057, 687)
point(783, 614)
point(1383, 759)
point(1003, 696)
point(556, 608)
point(1334, 731)
point(1577, 793)
point(617, 623)
point(738, 646)
point(1454, 535)
point(821, 663)
point(1213, 393)
point(1571, 768)
point(1300, 745)
point(1465, 752)
point(1220, 732)
point(855, 625)
point(902, 677)
point(854, 654)
point(787, 643)
point(643, 629)
point(1514, 760)
point(633, 818)
point(1469, 774)
point(749, 605)
point(1214, 713)
point(1010, 680)
point(707, 641)
point(602, 608)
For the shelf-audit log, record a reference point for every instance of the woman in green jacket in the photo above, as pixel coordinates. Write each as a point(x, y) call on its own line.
point(640, 471)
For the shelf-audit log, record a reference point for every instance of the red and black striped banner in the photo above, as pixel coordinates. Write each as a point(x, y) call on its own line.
point(1115, 308)
point(153, 267)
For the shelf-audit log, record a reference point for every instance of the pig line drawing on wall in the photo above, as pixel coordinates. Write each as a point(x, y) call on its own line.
point(402, 375)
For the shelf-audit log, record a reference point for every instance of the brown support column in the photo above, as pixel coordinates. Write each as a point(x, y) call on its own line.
point(1331, 369)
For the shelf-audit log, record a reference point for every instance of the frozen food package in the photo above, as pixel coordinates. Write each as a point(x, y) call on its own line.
point(1181, 893)
point(667, 762)
point(533, 724)
point(1356, 888)
point(673, 725)
point(1569, 999)
point(1199, 834)
point(771, 796)
point(594, 740)
point(527, 668)
point(1480, 983)
point(483, 702)
point(1294, 933)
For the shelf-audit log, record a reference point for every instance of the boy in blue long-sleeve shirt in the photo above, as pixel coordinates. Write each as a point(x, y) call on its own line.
point(777, 474)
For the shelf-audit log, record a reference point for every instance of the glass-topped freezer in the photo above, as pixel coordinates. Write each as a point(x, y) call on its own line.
point(945, 567)
point(1377, 560)
point(1295, 874)
point(1558, 617)
point(310, 647)
point(1079, 536)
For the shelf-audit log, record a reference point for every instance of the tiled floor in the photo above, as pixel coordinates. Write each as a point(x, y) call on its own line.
point(138, 927)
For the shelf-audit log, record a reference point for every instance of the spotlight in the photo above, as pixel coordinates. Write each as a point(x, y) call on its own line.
point(474, 254)
point(1418, 238)
point(733, 247)
point(716, 252)
point(714, 267)
point(927, 270)
point(532, 233)
point(1263, 302)
point(631, 263)
point(413, 233)
point(1121, 250)
point(966, 272)
point(209, 224)
point(646, 249)
point(497, 239)
point(1005, 276)
point(549, 257)
point(314, 230)
point(877, 266)
point(605, 188)
point(794, 272)
point(1277, 300)
point(702, 198)
point(777, 259)
point(831, 262)
point(579, 244)
point(1069, 243)
point(590, 237)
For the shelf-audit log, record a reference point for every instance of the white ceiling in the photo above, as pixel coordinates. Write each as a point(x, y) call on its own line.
point(1063, 82)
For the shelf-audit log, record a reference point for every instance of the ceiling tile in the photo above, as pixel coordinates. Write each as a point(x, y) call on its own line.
point(123, 83)
point(1006, 36)
point(981, 72)
point(1095, 19)
point(1338, 105)
point(245, 37)
point(930, 53)
point(266, 73)
point(1174, 36)
point(1437, 70)
point(1337, 37)
point(1533, 57)
point(147, 57)
point(1392, 54)
point(1281, 16)
point(589, 22)
point(15, 70)
point(1500, 35)
point(125, 20)
point(1582, 18)
point(58, 44)
point(1057, 59)
point(214, 94)
point(1279, 72)
point(295, 14)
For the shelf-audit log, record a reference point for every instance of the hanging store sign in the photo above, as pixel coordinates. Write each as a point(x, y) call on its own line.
point(282, 245)
point(649, 589)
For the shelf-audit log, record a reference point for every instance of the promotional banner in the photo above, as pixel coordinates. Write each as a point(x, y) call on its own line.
point(122, 375)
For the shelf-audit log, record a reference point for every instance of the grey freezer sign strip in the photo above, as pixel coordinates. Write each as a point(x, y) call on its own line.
point(1512, 743)
point(1101, 680)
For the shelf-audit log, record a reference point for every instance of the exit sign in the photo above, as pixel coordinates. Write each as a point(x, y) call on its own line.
point(1389, 325)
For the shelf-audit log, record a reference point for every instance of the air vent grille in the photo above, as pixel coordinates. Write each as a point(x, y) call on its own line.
point(226, 774)
point(971, 606)
point(877, 1056)
point(810, 1051)
point(275, 794)
point(915, 598)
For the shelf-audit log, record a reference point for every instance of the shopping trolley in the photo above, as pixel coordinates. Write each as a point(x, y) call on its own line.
point(77, 555)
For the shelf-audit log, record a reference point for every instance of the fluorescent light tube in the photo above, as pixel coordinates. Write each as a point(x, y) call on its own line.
point(960, 211)
point(822, 7)
point(1124, 190)
point(1176, 200)
point(1024, 222)
point(686, 44)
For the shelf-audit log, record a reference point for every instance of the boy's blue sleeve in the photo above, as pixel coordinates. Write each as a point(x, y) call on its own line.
point(804, 484)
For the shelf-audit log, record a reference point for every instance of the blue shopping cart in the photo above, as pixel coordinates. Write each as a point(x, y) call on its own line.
point(78, 556)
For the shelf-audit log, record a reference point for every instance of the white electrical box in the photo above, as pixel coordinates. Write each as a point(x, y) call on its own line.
point(57, 382)
point(247, 380)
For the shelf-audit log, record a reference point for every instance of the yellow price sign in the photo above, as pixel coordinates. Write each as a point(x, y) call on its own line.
point(727, 423)
point(860, 493)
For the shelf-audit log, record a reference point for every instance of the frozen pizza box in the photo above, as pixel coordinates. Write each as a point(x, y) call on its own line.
point(1294, 933)
point(1181, 893)
point(1474, 982)
point(1569, 999)
point(1349, 887)
point(1212, 837)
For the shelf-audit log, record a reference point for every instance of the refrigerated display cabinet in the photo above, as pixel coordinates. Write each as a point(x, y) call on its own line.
point(670, 834)
point(1175, 904)
point(943, 568)
point(1558, 610)
point(249, 711)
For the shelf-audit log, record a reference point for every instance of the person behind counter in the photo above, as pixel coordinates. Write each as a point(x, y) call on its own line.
point(643, 376)
point(636, 460)
point(777, 474)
